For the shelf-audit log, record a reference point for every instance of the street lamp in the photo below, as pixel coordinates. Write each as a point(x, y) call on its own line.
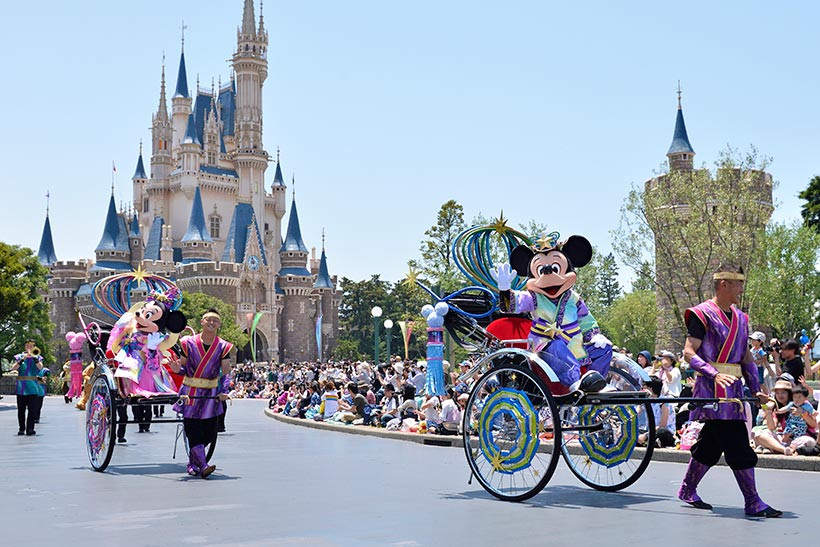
point(388, 328)
point(376, 312)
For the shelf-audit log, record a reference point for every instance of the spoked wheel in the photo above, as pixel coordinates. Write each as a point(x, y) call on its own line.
point(600, 441)
point(510, 438)
point(100, 424)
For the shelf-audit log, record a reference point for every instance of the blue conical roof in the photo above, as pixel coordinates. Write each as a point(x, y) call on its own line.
point(115, 237)
point(45, 254)
point(182, 79)
point(191, 133)
point(139, 172)
point(680, 140)
point(323, 279)
point(293, 238)
point(134, 229)
point(154, 239)
point(197, 230)
point(278, 179)
point(237, 238)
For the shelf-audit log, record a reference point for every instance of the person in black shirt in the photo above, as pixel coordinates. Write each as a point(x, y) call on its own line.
point(789, 360)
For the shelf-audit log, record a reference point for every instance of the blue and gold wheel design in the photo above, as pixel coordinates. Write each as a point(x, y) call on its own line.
point(618, 437)
point(511, 432)
point(508, 431)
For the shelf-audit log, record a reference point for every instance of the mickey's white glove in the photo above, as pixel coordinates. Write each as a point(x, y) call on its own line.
point(154, 339)
point(503, 275)
point(124, 319)
point(600, 341)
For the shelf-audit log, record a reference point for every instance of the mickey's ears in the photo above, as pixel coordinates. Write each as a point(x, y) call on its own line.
point(578, 250)
point(520, 260)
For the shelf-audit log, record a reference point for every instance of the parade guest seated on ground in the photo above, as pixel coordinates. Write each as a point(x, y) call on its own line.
point(330, 400)
point(388, 408)
point(779, 435)
point(664, 414)
point(356, 409)
point(450, 415)
point(429, 410)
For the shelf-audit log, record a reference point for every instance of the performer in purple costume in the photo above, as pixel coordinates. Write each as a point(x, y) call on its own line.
point(205, 366)
point(716, 350)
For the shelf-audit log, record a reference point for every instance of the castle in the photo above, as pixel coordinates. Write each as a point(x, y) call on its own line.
point(741, 199)
point(208, 166)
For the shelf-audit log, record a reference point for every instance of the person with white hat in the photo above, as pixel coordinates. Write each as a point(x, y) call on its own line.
point(765, 371)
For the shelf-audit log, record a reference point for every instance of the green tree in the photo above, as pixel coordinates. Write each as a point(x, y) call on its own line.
point(631, 321)
point(195, 304)
point(588, 284)
point(23, 311)
point(358, 299)
point(782, 291)
point(811, 209)
point(644, 278)
point(686, 222)
point(607, 280)
point(436, 250)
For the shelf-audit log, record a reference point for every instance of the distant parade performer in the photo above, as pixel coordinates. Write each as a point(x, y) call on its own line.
point(30, 387)
point(206, 367)
point(716, 350)
point(75, 344)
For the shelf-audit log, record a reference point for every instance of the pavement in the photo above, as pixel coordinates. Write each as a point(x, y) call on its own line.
point(765, 461)
point(281, 485)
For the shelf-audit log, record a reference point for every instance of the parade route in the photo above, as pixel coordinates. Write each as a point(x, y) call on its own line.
point(277, 484)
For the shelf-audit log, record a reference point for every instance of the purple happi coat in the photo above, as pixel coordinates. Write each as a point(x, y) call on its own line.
point(202, 363)
point(725, 342)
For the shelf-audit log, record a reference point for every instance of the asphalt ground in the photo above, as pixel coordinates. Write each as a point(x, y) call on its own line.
point(280, 484)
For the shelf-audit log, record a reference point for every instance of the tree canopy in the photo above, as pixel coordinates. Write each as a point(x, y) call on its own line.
point(195, 304)
point(811, 209)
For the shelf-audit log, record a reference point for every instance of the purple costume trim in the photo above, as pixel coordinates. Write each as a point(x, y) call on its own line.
point(212, 370)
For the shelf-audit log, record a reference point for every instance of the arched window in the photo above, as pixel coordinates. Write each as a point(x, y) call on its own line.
point(215, 222)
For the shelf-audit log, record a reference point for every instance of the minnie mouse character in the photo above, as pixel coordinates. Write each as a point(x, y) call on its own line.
point(138, 341)
point(563, 332)
point(75, 340)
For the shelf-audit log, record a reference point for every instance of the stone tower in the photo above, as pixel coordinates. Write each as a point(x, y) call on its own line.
point(326, 301)
point(197, 245)
point(296, 326)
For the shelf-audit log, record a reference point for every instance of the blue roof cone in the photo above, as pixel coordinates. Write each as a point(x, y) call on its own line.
point(680, 140)
point(197, 230)
point(278, 179)
point(238, 234)
point(293, 238)
point(154, 239)
point(182, 79)
point(139, 172)
point(323, 279)
point(135, 226)
point(191, 133)
point(46, 254)
point(114, 237)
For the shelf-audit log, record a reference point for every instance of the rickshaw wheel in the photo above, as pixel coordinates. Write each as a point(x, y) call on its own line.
point(100, 424)
point(510, 438)
point(608, 459)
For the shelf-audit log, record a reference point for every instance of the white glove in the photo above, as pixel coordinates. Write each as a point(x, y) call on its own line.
point(154, 339)
point(124, 319)
point(600, 341)
point(503, 275)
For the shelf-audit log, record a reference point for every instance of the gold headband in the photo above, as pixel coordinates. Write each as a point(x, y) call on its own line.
point(211, 314)
point(729, 276)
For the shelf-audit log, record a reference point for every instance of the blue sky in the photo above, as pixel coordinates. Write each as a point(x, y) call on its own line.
point(385, 110)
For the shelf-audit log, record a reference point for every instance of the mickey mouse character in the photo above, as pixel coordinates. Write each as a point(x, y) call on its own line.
point(138, 341)
point(563, 332)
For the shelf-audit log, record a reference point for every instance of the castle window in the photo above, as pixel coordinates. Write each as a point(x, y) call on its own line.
point(211, 158)
point(215, 221)
point(685, 156)
point(290, 325)
point(267, 228)
point(301, 307)
point(144, 205)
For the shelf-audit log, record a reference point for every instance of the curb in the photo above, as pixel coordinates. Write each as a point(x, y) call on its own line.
point(765, 461)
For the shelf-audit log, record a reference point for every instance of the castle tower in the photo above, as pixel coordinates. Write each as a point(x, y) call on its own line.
point(64, 284)
point(296, 329)
point(250, 66)
point(681, 155)
point(190, 154)
point(180, 104)
point(162, 135)
point(135, 242)
point(140, 180)
point(211, 135)
point(327, 302)
point(197, 245)
point(113, 252)
point(273, 238)
point(166, 250)
point(45, 253)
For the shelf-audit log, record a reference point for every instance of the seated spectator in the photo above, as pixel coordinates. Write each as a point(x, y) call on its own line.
point(388, 408)
point(645, 361)
point(670, 374)
point(355, 410)
point(408, 407)
point(785, 418)
point(664, 415)
point(450, 414)
point(429, 410)
point(330, 400)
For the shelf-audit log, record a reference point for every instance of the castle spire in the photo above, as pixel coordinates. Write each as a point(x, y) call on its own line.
point(278, 179)
point(681, 155)
point(182, 75)
point(190, 132)
point(293, 238)
point(248, 20)
point(197, 229)
point(323, 278)
point(139, 172)
point(114, 237)
point(162, 110)
point(45, 254)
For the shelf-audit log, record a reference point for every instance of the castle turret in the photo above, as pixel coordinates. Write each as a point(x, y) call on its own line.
point(197, 245)
point(166, 250)
point(180, 103)
point(273, 237)
point(250, 65)
point(139, 182)
point(113, 252)
point(681, 155)
point(135, 242)
point(327, 300)
point(45, 253)
point(162, 135)
point(191, 147)
point(296, 331)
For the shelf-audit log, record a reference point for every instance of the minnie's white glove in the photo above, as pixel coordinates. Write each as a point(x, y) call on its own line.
point(503, 275)
point(153, 340)
point(600, 341)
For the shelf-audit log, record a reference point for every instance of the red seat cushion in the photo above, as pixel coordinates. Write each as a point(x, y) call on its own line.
point(511, 328)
